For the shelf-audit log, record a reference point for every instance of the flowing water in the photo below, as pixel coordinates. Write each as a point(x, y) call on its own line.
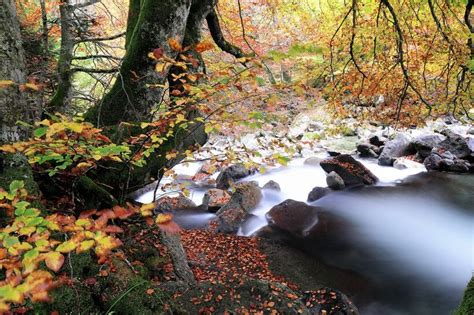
point(411, 236)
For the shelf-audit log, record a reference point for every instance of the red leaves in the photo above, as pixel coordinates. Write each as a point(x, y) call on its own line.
point(158, 53)
point(122, 213)
point(225, 258)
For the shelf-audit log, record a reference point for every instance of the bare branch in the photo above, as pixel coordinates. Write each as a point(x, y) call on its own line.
point(87, 70)
point(100, 39)
point(96, 57)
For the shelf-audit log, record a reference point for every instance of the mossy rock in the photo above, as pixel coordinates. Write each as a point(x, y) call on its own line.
point(16, 167)
point(74, 299)
point(467, 303)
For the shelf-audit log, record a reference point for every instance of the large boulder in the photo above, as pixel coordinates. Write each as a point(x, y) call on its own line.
point(318, 193)
point(351, 171)
point(294, 217)
point(245, 198)
point(400, 146)
point(215, 198)
point(231, 174)
point(441, 160)
point(455, 144)
point(181, 202)
point(425, 143)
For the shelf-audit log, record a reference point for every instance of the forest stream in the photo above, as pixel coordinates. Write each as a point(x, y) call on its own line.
point(409, 237)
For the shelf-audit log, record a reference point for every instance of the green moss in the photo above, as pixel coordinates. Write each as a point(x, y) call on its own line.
point(16, 167)
point(76, 299)
point(467, 304)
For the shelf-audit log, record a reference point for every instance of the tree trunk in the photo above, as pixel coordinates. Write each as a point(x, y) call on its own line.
point(136, 89)
point(62, 97)
point(13, 104)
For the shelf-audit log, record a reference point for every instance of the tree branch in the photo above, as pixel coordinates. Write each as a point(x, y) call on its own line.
point(401, 55)
point(100, 39)
point(87, 70)
point(218, 36)
point(96, 57)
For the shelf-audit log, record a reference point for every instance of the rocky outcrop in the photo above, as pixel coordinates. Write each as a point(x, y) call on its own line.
point(400, 146)
point(456, 144)
point(231, 174)
point(441, 160)
point(294, 217)
point(351, 171)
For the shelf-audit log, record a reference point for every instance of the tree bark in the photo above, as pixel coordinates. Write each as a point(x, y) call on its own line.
point(136, 89)
point(62, 97)
point(13, 104)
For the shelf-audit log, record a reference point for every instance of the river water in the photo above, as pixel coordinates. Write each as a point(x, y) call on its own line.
point(411, 235)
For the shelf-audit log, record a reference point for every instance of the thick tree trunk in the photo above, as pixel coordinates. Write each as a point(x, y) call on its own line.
point(137, 88)
point(13, 104)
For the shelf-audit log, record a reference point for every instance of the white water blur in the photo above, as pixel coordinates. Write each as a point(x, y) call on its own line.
point(419, 234)
point(297, 180)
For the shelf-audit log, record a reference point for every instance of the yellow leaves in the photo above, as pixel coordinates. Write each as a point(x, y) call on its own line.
point(147, 209)
point(10, 294)
point(54, 261)
point(160, 67)
point(74, 126)
point(85, 246)
point(6, 83)
point(54, 129)
point(105, 244)
point(66, 247)
point(163, 218)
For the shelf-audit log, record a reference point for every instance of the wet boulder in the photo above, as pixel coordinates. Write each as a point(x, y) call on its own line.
point(351, 171)
point(313, 161)
point(335, 181)
point(367, 150)
point(455, 144)
point(215, 198)
point(425, 143)
point(404, 163)
point(181, 202)
point(317, 193)
point(401, 145)
point(231, 174)
point(441, 160)
point(245, 198)
point(294, 217)
point(377, 141)
point(272, 185)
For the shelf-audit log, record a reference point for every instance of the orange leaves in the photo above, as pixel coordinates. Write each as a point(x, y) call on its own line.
point(122, 213)
point(54, 261)
point(204, 46)
point(175, 45)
